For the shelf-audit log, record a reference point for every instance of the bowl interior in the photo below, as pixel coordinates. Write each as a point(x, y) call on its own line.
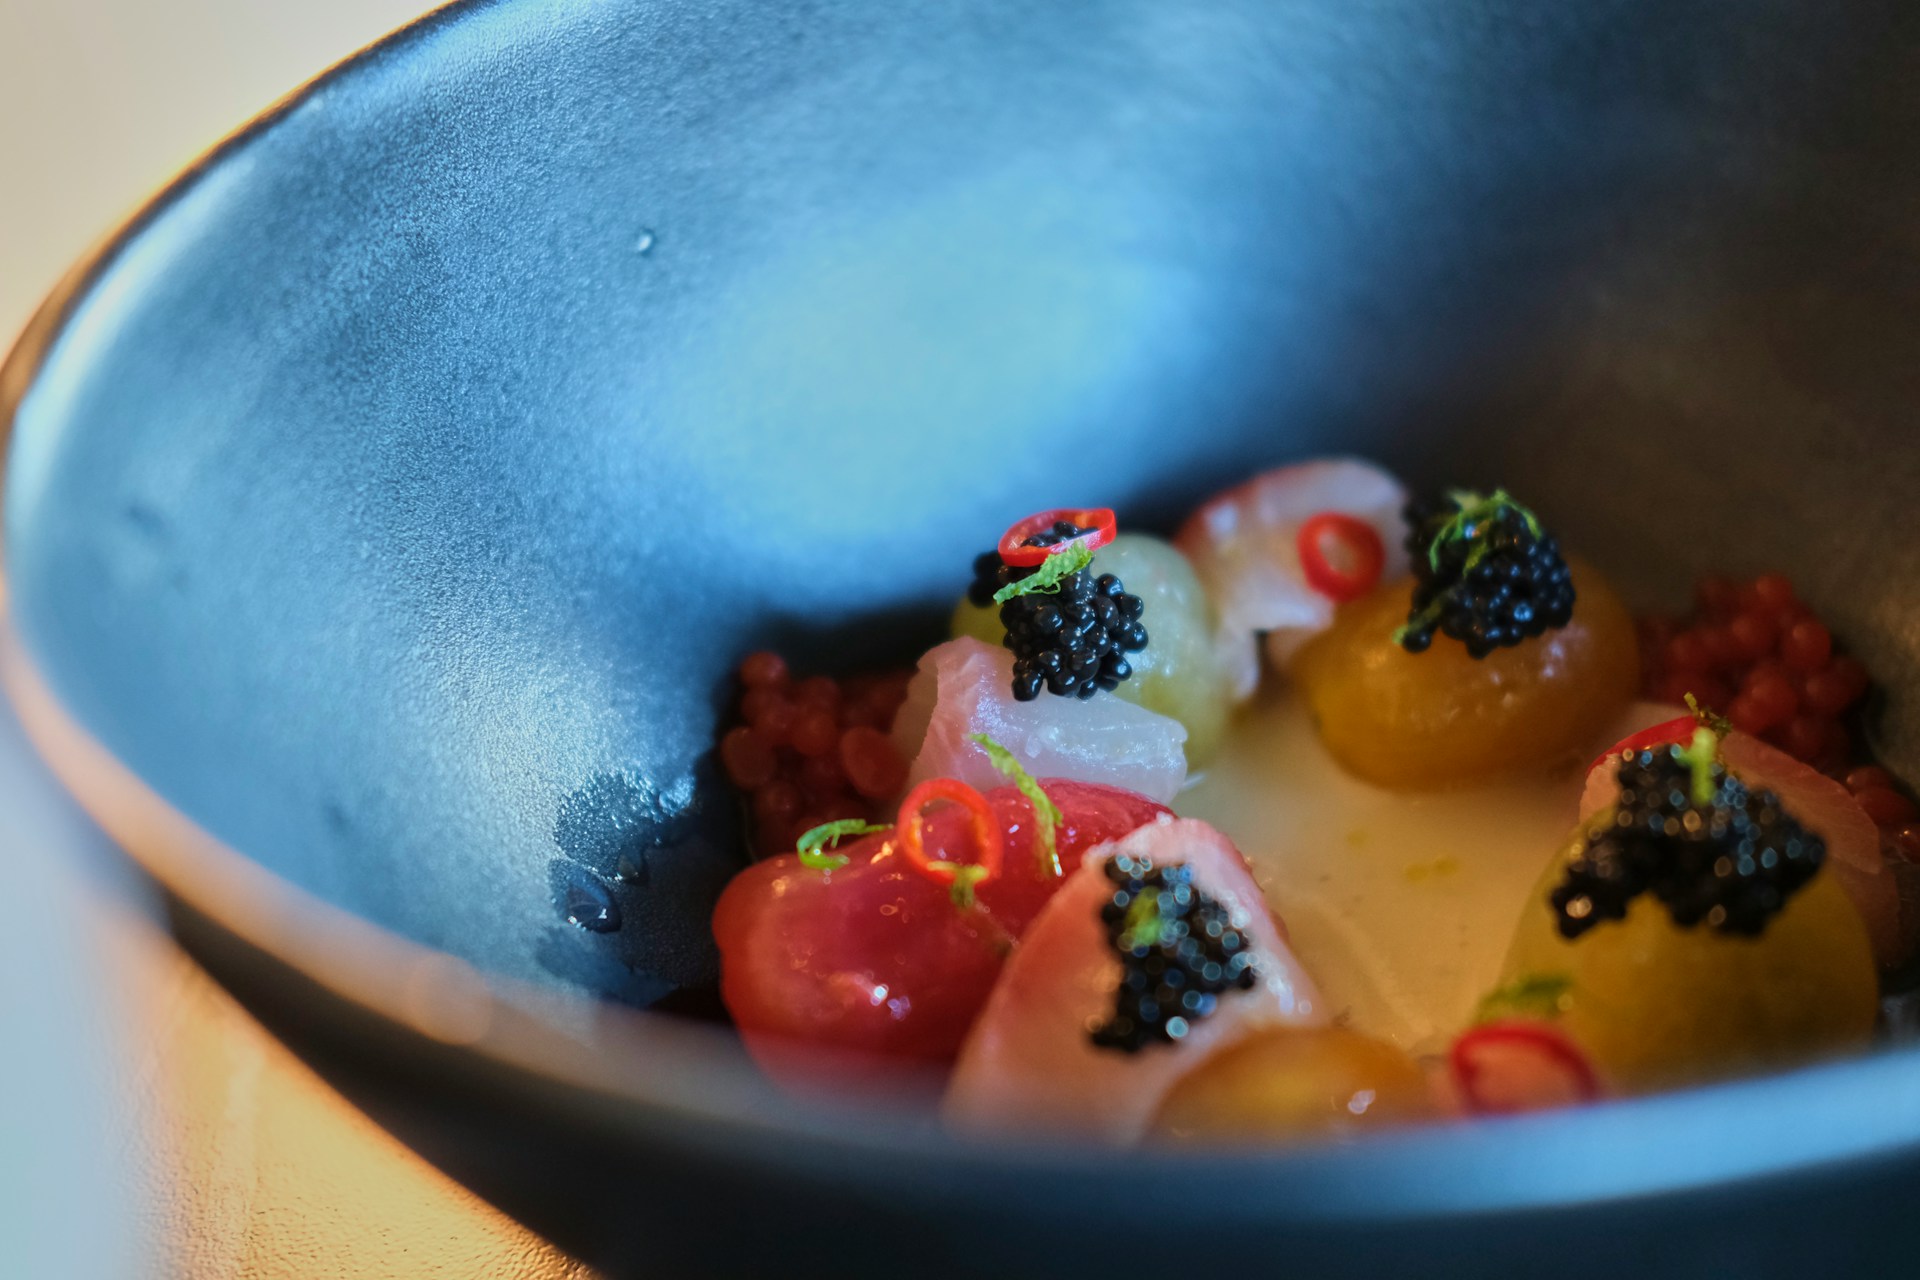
point(398, 495)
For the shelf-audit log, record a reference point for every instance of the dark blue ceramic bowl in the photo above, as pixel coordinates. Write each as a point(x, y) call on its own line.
point(388, 502)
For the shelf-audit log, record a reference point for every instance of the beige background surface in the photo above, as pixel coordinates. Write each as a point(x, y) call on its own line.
point(243, 1162)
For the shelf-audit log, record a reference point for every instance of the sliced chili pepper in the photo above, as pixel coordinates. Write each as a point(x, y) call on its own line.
point(1342, 556)
point(1503, 1068)
point(1668, 733)
point(1013, 543)
point(964, 877)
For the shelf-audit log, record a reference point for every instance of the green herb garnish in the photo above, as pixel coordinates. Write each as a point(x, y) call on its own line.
point(1707, 716)
point(965, 876)
point(1465, 525)
point(827, 836)
point(1046, 814)
point(1143, 926)
point(1700, 756)
point(1423, 620)
point(1054, 570)
point(1531, 995)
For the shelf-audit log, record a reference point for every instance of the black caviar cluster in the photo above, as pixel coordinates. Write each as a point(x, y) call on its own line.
point(1071, 641)
point(1179, 953)
point(1732, 862)
point(1485, 573)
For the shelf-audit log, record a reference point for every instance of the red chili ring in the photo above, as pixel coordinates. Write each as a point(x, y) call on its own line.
point(1553, 1042)
point(1099, 519)
point(1667, 733)
point(986, 829)
point(1361, 543)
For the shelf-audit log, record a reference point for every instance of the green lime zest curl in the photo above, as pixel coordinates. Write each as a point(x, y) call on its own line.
point(1700, 756)
point(965, 876)
point(1465, 525)
point(1144, 926)
point(1707, 716)
point(1054, 570)
point(828, 835)
point(1047, 817)
point(1531, 995)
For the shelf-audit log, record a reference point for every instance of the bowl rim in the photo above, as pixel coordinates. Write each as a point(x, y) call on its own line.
point(1618, 1150)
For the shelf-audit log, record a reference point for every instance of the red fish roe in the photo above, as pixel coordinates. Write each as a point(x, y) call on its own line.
point(811, 750)
point(1886, 801)
point(1755, 653)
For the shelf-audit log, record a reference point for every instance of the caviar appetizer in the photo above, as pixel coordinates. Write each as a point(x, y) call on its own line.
point(1070, 630)
point(1158, 951)
point(1012, 878)
point(1695, 925)
point(1485, 573)
point(1071, 602)
point(1856, 848)
point(1496, 657)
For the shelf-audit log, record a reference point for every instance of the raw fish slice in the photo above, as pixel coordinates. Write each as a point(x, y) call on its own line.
point(965, 686)
point(1818, 802)
point(1244, 544)
point(1030, 1066)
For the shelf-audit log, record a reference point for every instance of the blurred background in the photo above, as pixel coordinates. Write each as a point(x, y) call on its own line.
point(148, 1127)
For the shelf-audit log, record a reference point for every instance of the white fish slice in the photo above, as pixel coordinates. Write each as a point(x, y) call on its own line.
point(1244, 544)
point(1029, 1066)
point(965, 686)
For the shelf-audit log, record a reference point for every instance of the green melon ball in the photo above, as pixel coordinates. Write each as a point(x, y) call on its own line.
point(1179, 673)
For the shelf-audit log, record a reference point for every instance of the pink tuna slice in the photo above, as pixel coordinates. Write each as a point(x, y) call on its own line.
point(1244, 544)
point(965, 686)
point(1816, 801)
point(1029, 1066)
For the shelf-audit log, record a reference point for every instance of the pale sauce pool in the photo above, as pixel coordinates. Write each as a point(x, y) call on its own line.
point(1401, 905)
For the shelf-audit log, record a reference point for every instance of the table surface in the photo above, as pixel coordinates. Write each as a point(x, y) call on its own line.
point(227, 1156)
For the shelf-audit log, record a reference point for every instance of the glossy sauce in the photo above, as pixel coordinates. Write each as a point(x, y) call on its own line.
point(1402, 905)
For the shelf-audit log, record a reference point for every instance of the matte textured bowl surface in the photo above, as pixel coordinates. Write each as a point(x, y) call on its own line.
point(390, 501)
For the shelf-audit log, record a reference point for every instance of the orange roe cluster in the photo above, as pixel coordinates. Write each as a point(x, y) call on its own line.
point(807, 752)
point(1753, 652)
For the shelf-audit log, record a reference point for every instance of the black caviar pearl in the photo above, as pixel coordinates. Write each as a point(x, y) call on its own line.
point(1175, 976)
point(1496, 584)
point(1732, 867)
point(986, 579)
point(1069, 641)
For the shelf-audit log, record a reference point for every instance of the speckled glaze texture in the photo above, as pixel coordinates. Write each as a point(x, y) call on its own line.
point(399, 493)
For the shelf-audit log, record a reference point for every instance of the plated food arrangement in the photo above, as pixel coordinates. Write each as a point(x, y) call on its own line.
point(1343, 807)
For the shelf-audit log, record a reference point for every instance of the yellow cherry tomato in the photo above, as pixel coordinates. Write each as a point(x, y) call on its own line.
point(1441, 718)
point(1292, 1083)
